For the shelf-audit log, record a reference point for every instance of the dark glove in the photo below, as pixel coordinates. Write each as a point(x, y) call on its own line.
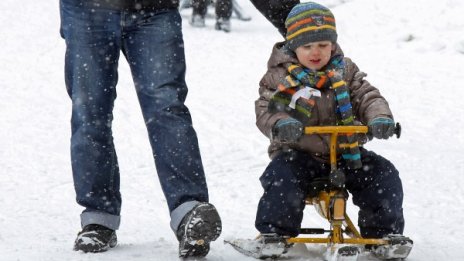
point(287, 130)
point(381, 128)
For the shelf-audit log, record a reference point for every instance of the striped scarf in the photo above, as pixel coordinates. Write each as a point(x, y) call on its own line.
point(297, 95)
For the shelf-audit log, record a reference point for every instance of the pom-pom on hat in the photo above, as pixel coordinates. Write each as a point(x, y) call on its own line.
point(309, 22)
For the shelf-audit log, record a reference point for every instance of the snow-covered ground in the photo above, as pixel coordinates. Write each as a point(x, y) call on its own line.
point(412, 50)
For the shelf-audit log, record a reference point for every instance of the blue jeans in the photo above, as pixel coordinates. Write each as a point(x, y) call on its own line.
point(152, 42)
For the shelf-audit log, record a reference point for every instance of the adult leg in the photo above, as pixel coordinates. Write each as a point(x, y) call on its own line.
point(153, 45)
point(92, 52)
point(378, 192)
point(224, 9)
point(223, 14)
point(199, 9)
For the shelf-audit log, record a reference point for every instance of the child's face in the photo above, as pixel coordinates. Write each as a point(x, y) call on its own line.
point(314, 55)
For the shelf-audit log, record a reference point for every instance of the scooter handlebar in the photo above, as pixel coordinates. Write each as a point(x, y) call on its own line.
point(345, 129)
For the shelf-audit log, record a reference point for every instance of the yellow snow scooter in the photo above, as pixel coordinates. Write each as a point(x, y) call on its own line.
point(328, 195)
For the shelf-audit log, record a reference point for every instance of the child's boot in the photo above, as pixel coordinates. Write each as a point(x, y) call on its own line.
point(398, 248)
point(265, 246)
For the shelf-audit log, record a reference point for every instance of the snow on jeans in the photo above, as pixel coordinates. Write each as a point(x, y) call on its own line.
point(376, 189)
point(152, 43)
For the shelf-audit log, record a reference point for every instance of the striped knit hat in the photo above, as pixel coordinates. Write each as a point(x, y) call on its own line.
point(309, 22)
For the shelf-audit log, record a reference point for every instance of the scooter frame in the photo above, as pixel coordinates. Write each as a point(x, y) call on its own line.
point(331, 203)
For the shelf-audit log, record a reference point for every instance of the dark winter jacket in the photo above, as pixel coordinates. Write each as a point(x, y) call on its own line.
point(129, 4)
point(366, 100)
point(276, 11)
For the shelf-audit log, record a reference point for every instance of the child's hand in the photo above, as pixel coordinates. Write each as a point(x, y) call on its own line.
point(287, 130)
point(381, 128)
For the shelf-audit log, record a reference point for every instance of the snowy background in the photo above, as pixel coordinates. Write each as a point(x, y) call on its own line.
point(412, 50)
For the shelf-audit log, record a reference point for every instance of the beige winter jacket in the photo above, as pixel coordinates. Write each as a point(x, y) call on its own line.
point(366, 100)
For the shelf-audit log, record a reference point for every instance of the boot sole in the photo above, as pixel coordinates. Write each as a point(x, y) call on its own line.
point(204, 225)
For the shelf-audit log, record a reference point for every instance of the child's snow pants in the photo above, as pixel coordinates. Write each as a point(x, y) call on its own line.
point(376, 189)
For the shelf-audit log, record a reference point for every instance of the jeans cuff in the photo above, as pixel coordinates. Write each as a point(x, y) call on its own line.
point(100, 218)
point(179, 213)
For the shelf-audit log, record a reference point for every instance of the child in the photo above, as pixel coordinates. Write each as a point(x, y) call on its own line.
point(309, 82)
